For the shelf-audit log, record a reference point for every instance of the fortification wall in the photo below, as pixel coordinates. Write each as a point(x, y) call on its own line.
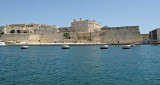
point(121, 35)
point(84, 37)
point(116, 35)
point(145, 37)
point(52, 37)
point(15, 37)
point(33, 38)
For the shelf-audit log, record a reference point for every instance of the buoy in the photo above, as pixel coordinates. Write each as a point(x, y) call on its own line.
point(104, 47)
point(24, 47)
point(126, 46)
point(65, 46)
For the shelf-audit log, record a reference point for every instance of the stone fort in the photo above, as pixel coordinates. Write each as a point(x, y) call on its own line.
point(87, 31)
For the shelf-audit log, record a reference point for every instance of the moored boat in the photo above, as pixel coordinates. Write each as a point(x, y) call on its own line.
point(126, 46)
point(104, 47)
point(65, 46)
point(24, 47)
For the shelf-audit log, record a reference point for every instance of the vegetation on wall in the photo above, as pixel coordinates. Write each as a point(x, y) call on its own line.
point(12, 31)
point(18, 31)
point(66, 35)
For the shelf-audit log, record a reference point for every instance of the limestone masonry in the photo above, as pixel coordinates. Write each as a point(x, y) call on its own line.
point(87, 31)
point(85, 26)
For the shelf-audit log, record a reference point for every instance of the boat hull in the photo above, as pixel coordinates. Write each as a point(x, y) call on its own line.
point(24, 47)
point(126, 47)
point(104, 47)
point(65, 46)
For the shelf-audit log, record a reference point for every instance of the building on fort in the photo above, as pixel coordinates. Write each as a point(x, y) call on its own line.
point(85, 26)
point(30, 28)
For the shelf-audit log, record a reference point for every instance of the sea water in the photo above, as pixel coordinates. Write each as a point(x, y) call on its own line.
point(80, 65)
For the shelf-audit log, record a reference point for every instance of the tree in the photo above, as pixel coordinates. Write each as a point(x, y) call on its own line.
point(12, 31)
point(66, 35)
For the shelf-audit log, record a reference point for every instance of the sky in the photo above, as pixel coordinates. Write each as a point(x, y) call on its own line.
point(112, 13)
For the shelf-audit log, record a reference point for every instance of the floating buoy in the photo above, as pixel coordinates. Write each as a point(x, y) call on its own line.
point(65, 46)
point(104, 47)
point(126, 46)
point(24, 47)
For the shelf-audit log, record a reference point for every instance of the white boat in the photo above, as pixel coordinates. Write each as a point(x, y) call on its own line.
point(24, 47)
point(126, 46)
point(104, 47)
point(65, 46)
point(2, 43)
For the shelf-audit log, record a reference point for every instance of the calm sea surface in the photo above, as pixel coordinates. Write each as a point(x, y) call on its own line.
point(80, 65)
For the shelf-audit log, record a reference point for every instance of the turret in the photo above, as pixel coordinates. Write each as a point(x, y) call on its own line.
point(75, 20)
point(80, 19)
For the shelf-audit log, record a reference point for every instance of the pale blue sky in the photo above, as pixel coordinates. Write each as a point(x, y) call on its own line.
point(145, 13)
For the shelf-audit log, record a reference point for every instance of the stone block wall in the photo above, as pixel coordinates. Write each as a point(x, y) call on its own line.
point(15, 37)
point(112, 35)
point(121, 35)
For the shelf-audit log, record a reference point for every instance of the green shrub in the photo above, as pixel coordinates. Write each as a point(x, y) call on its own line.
point(66, 35)
point(12, 31)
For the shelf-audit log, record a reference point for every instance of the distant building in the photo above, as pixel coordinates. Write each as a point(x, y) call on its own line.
point(154, 36)
point(85, 26)
point(30, 28)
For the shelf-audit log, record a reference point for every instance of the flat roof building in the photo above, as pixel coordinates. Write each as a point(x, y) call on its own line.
point(85, 26)
point(154, 35)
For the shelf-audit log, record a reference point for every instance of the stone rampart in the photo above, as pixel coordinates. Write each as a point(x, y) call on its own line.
point(15, 37)
point(33, 38)
point(129, 34)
